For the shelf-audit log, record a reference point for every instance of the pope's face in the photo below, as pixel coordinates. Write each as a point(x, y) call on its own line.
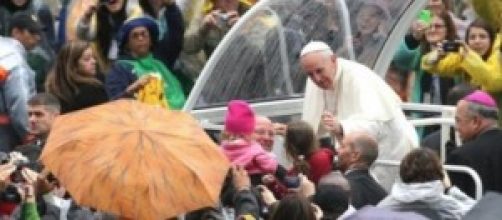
point(320, 68)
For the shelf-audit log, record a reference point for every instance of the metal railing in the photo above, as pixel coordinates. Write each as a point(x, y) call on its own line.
point(452, 168)
point(446, 121)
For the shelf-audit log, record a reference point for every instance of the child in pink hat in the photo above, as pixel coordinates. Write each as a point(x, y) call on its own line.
point(239, 146)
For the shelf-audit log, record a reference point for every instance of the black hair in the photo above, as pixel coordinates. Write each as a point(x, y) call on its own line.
point(293, 207)
point(480, 23)
point(401, 73)
point(107, 26)
point(11, 7)
point(332, 199)
point(147, 8)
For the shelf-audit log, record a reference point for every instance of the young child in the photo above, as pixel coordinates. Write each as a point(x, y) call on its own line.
point(307, 157)
point(239, 146)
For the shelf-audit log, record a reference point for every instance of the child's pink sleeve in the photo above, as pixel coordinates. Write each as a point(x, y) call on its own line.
point(266, 162)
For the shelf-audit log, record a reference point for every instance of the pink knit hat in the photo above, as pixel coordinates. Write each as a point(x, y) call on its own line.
point(240, 118)
point(481, 98)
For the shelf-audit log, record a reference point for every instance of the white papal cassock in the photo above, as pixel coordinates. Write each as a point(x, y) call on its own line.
point(362, 101)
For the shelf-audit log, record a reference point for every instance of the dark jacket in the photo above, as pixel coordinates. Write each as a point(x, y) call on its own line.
point(433, 142)
point(364, 189)
point(245, 204)
point(32, 151)
point(168, 48)
point(88, 95)
point(484, 155)
point(119, 78)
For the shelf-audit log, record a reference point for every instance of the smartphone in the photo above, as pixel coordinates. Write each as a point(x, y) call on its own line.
point(425, 16)
point(292, 181)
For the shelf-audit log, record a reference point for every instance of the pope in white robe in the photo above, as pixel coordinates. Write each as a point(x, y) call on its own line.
point(343, 96)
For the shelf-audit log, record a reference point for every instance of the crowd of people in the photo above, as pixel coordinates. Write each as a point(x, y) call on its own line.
point(153, 50)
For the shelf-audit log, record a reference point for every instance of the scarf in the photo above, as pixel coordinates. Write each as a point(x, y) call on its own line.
point(172, 90)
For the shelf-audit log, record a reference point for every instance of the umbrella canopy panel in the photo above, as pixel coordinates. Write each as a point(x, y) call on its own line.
point(135, 160)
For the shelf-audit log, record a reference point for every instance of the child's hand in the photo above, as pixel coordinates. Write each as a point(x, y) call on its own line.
point(307, 187)
point(267, 196)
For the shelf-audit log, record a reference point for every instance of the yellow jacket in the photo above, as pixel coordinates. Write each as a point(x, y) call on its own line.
point(487, 74)
point(208, 5)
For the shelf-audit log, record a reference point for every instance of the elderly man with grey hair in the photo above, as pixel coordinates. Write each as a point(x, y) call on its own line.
point(476, 122)
point(343, 96)
point(356, 154)
point(264, 132)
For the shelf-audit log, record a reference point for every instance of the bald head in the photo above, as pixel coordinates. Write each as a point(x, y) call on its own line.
point(367, 146)
point(263, 120)
point(264, 132)
point(358, 149)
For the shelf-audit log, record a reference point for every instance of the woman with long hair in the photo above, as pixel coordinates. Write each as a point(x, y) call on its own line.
point(301, 147)
point(106, 18)
point(424, 37)
point(75, 80)
point(478, 59)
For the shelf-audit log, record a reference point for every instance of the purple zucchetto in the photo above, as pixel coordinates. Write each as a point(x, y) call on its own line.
point(481, 98)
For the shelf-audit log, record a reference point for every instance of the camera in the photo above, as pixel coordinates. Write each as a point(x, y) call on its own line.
point(16, 176)
point(11, 193)
point(451, 46)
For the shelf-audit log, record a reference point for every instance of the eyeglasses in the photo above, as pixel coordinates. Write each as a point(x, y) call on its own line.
point(140, 34)
point(436, 26)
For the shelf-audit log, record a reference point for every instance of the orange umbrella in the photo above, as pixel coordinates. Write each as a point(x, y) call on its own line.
point(135, 160)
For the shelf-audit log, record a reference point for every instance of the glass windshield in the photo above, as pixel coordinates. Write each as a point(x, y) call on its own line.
point(259, 61)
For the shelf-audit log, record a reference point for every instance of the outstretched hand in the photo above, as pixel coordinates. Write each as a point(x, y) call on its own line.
point(241, 178)
point(138, 84)
point(418, 29)
point(331, 123)
point(5, 172)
